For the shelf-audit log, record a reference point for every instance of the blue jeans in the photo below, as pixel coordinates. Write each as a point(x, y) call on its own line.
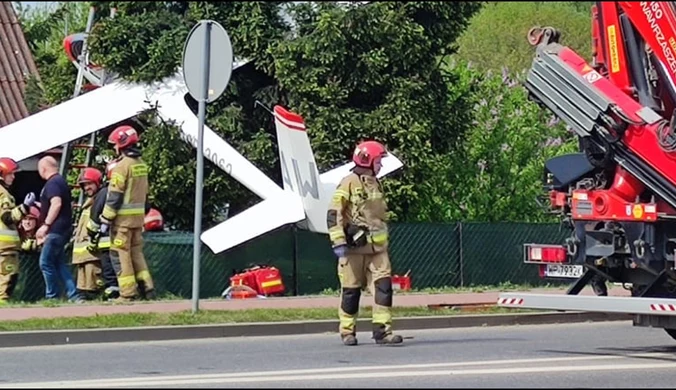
point(53, 266)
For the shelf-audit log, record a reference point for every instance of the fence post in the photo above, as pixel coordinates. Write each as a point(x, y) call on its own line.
point(294, 232)
point(461, 255)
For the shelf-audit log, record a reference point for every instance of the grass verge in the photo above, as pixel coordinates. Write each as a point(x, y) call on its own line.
point(167, 297)
point(220, 317)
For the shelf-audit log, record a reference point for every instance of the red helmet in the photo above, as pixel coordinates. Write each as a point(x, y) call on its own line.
point(7, 166)
point(153, 221)
point(367, 152)
point(123, 137)
point(90, 175)
point(34, 212)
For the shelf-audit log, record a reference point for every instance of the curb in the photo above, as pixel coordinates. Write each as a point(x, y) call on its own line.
point(186, 332)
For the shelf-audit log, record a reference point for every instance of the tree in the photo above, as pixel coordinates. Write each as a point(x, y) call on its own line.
point(498, 171)
point(45, 30)
point(472, 144)
point(496, 36)
point(353, 72)
point(375, 72)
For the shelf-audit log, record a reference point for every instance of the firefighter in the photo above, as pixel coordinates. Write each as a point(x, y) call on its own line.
point(10, 215)
point(112, 290)
point(90, 248)
point(124, 212)
point(27, 230)
point(356, 219)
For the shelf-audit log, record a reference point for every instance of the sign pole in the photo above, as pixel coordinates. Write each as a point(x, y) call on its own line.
point(206, 75)
point(199, 177)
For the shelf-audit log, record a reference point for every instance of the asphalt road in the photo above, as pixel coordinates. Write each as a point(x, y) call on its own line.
point(611, 354)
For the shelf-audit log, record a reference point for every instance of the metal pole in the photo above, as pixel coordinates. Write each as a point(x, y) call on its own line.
point(199, 177)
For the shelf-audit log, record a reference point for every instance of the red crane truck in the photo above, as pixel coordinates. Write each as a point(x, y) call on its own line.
point(618, 194)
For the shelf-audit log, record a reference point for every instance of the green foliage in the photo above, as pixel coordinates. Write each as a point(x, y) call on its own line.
point(496, 36)
point(34, 95)
point(374, 72)
point(368, 62)
point(498, 171)
point(144, 41)
point(472, 144)
point(45, 31)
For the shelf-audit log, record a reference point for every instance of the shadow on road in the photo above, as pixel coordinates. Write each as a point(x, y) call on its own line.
point(411, 340)
point(624, 352)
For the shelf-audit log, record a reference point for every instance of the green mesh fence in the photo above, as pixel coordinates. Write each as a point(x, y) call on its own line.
point(437, 255)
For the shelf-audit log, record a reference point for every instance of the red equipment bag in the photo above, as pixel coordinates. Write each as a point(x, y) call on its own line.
point(402, 283)
point(265, 280)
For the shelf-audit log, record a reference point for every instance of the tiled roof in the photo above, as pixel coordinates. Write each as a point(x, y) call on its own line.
point(16, 64)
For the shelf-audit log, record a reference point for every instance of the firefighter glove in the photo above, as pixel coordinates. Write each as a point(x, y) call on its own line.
point(340, 251)
point(104, 228)
point(29, 200)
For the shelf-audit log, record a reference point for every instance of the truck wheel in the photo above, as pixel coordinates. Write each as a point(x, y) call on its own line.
point(671, 332)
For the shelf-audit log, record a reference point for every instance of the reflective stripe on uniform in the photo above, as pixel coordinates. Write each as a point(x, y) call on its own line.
point(126, 281)
point(132, 209)
point(104, 242)
point(378, 237)
point(7, 235)
point(336, 234)
point(139, 170)
point(17, 213)
point(93, 226)
point(347, 323)
point(381, 317)
point(143, 275)
point(82, 247)
point(339, 195)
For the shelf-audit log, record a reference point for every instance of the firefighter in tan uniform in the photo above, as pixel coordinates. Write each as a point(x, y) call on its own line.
point(10, 216)
point(124, 212)
point(87, 254)
point(27, 229)
point(356, 219)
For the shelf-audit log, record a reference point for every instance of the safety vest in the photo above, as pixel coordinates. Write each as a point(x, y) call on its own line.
point(82, 241)
point(9, 236)
point(127, 193)
point(358, 200)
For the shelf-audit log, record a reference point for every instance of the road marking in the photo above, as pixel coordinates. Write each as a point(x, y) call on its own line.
point(352, 372)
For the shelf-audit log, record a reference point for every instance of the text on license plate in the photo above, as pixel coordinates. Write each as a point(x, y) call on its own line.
point(564, 271)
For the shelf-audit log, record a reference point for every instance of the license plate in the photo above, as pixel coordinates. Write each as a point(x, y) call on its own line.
point(564, 271)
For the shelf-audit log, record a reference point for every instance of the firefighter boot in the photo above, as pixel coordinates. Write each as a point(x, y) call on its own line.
point(111, 293)
point(145, 294)
point(383, 335)
point(151, 295)
point(390, 339)
point(349, 339)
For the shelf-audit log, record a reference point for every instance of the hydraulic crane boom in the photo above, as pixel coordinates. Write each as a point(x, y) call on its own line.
point(618, 195)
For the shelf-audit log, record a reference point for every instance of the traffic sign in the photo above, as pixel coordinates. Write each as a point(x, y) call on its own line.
point(207, 53)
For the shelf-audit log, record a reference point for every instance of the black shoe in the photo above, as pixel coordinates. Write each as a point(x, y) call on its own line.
point(349, 339)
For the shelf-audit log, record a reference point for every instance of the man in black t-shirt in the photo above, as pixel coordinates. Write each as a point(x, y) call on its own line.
point(56, 220)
